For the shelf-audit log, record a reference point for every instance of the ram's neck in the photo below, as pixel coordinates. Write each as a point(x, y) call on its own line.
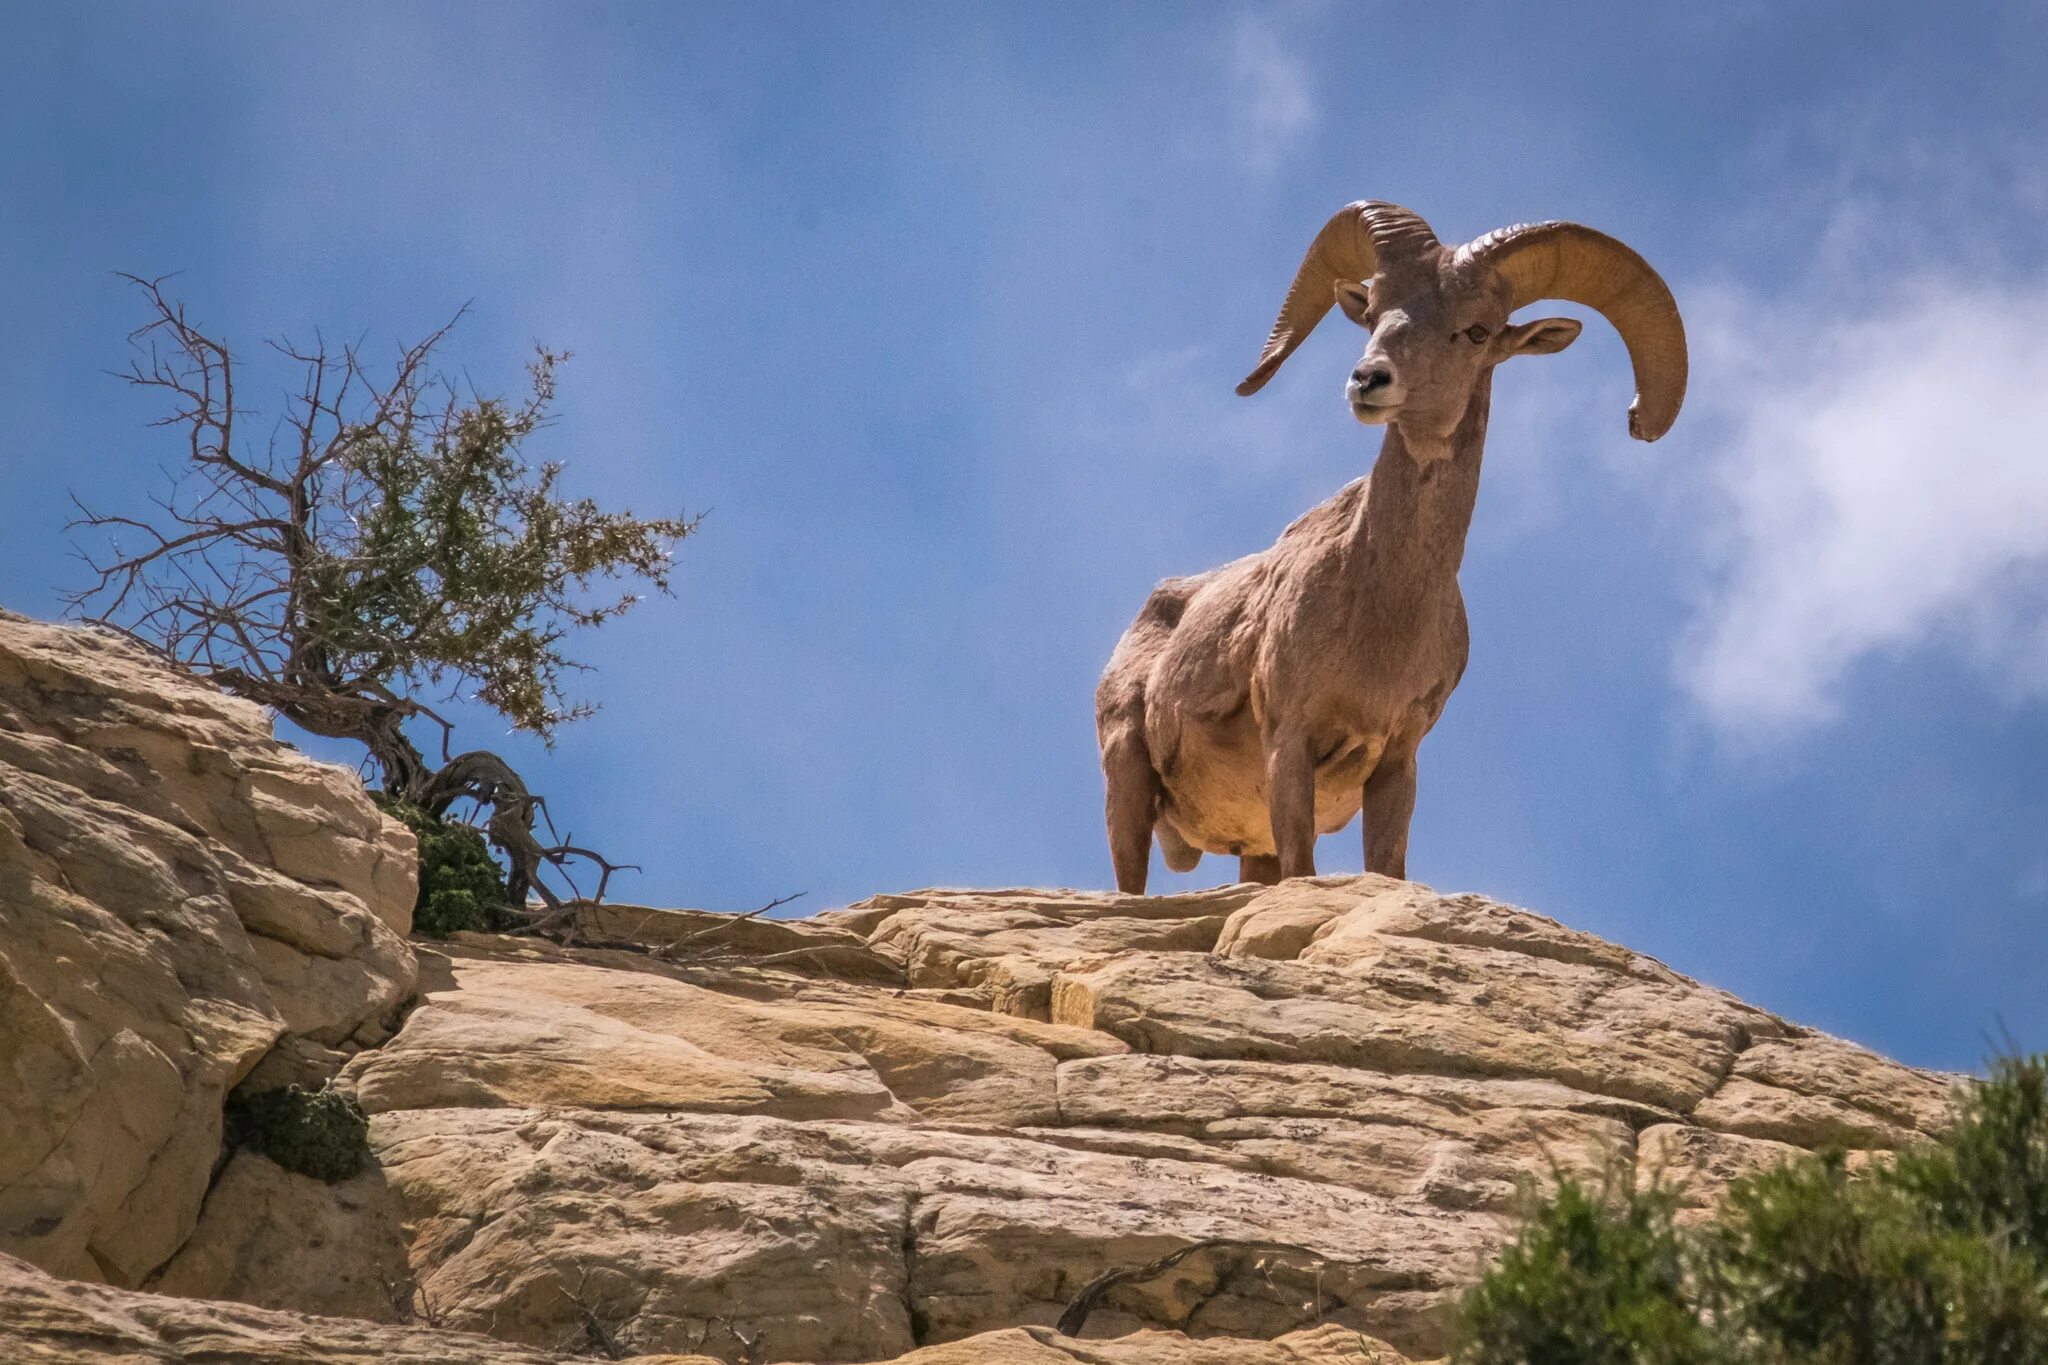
point(1409, 538)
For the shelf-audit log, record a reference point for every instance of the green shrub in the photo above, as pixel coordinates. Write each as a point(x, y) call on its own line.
point(1938, 1257)
point(1991, 1175)
point(1595, 1279)
point(1823, 1267)
point(461, 885)
point(321, 1133)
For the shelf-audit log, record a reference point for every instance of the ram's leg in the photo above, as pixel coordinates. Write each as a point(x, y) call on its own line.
point(1130, 805)
point(1389, 804)
point(1291, 803)
point(1263, 868)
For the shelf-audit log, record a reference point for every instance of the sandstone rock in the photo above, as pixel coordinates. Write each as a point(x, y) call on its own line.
point(47, 1321)
point(912, 1129)
point(804, 947)
point(1699, 1164)
point(724, 1151)
point(847, 1240)
point(683, 1231)
point(1420, 1006)
point(832, 1169)
point(537, 1025)
point(1356, 1068)
point(178, 891)
point(1326, 1345)
point(274, 1239)
point(1882, 1093)
point(1753, 1109)
point(1007, 945)
point(1280, 923)
point(1455, 1142)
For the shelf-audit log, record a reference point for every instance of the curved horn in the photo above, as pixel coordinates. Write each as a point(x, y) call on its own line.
point(1575, 263)
point(1348, 248)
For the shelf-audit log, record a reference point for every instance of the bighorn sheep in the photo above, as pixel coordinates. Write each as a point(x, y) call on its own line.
point(1250, 707)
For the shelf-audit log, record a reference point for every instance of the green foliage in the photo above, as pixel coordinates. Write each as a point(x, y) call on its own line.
point(461, 885)
point(1939, 1257)
point(386, 538)
point(1822, 1268)
point(321, 1133)
point(1991, 1175)
point(382, 539)
point(458, 562)
point(1595, 1279)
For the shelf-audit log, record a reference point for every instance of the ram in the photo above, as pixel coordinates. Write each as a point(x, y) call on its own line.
point(1249, 708)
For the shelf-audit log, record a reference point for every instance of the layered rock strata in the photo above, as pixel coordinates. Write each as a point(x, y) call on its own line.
point(1292, 1121)
point(934, 1116)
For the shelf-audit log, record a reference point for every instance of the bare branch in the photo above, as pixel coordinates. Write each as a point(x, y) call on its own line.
point(1075, 1318)
point(675, 946)
point(598, 1335)
point(388, 543)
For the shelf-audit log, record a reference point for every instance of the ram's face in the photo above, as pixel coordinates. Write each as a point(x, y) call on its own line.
point(1436, 330)
point(1439, 315)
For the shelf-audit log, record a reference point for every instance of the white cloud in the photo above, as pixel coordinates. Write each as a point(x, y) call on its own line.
point(1272, 103)
point(1883, 488)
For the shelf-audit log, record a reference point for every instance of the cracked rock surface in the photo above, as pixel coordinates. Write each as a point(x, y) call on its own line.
point(178, 893)
point(934, 1117)
point(48, 1321)
point(911, 1129)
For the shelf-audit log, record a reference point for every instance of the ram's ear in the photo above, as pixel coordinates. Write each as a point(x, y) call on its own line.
point(1355, 299)
point(1545, 336)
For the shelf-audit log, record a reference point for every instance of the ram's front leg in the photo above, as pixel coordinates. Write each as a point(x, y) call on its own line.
point(1291, 802)
point(1389, 805)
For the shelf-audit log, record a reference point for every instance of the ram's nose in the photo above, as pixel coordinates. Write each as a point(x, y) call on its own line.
point(1368, 380)
point(1375, 392)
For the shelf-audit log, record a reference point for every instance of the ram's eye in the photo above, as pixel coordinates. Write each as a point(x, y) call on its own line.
point(1477, 334)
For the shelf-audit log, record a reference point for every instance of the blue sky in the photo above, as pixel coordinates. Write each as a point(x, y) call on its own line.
point(936, 311)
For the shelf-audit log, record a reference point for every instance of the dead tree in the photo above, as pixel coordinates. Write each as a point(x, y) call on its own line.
point(387, 545)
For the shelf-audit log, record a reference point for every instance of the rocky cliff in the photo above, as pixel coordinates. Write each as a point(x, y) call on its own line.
point(916, 1127)
point(180, 895)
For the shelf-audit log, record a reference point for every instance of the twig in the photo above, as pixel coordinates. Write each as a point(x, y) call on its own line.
point(561, 853)
point(410, 1301)
point(749, 1345)
point(595, 1331)
point(674, 946)
point(1076, 1315)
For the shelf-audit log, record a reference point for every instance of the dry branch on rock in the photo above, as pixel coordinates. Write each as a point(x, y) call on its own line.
point(389, 542)
point(1074, 1318)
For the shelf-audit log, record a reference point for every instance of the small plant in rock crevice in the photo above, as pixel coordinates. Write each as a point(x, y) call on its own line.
point(321, 1133)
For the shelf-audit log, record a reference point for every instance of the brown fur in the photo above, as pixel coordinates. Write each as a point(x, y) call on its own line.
point(1252, 707)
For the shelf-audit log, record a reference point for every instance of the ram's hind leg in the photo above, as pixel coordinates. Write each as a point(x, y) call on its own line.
point(1130, 806)
point(1388, 806)
point(1263, 868)
point(1291, 802)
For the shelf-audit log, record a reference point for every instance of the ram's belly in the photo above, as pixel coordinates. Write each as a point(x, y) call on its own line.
point(1216, 793)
